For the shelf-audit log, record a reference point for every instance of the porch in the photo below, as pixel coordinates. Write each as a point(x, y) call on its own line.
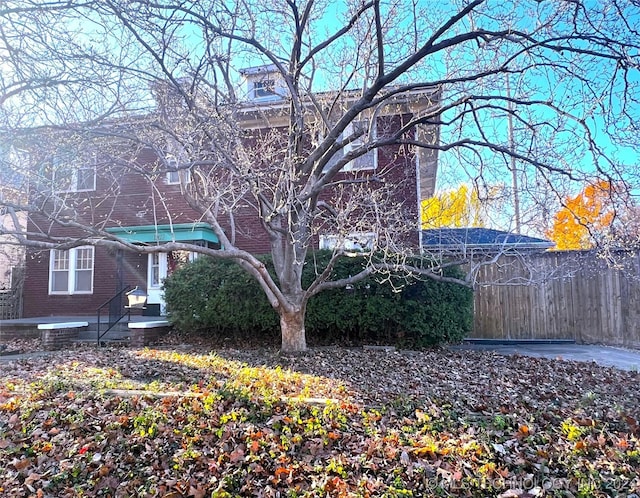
point(27, 328)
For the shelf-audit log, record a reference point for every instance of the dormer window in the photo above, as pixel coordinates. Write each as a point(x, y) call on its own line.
point(264, 83)
point(264, 89)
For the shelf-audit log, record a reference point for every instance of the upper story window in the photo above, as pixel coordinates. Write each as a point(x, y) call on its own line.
point(368, 160)
point(366, 134)
point(178, 177)
point(177, 158)
point(69, 176)
point(71, 272)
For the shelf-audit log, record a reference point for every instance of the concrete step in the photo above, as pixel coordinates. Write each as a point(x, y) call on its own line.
point(105, 341)
point(112, 335)
point(118, 332)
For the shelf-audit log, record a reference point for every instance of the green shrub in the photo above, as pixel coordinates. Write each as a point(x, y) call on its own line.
point(219, 296)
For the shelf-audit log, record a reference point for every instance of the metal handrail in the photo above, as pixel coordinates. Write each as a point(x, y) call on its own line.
point(112, 314)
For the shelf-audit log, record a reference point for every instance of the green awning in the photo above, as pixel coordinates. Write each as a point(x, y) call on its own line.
point(158, 234)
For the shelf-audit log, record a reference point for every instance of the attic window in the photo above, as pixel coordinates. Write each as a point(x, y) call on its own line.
point(264, 89)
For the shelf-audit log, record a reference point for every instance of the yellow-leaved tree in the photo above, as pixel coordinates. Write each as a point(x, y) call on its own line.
point(583, 218)
point(454, 209)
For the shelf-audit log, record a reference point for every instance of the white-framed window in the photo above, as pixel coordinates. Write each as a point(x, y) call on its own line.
point(367, 161)
point(264, 83)
point(181, 176)
point(160, 265)
point(177, 158)
point(356, 242)
point(71, 272)
point(264, 89)
point(157, 269)
point(70, 177)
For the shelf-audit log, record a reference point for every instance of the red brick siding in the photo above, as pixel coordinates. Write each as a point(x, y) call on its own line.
point(38, 301)
point(129, 199)
point(59, 338)
point(147, 337)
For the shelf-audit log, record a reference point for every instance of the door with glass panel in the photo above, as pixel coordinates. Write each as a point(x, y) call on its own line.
point(160, 266)
point(157, 272)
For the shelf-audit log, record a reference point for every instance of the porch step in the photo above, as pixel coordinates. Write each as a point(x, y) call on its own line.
point(105, 341)
point(120, 332)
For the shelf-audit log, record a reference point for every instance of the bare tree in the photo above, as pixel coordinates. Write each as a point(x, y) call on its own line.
point(110, 80)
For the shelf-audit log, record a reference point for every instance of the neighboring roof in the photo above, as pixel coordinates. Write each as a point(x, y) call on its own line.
point(485, 239)
point(157, 234)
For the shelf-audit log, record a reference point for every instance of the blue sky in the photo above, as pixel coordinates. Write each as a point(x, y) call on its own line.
point(560, 144)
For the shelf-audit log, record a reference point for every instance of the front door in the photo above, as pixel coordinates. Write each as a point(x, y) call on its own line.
point(157, 272)
point(160, 266)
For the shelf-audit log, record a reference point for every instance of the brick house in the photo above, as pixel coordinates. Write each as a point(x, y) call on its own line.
point(78, 280)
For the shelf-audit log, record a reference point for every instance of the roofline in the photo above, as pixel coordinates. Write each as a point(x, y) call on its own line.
point(265, 110)
point(267, 68)
point(432, 94)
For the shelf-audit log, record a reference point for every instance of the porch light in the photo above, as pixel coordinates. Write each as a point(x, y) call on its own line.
point(137, 298)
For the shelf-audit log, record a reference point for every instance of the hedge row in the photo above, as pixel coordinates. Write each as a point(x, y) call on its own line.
point(219, 297)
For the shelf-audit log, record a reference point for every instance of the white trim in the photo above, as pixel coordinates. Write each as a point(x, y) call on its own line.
point(268, 68)
point(184, 177)
point(369, 165)
point(71, 270)
point(162, 269)
point(418, 194)
point(71, 173)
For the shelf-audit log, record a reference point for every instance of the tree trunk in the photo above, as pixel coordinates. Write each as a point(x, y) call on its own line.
point(293, 334)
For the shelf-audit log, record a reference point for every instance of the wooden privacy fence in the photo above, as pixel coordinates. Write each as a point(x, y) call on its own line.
point(560, 295)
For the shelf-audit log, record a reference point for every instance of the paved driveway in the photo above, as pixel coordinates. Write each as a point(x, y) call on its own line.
point(624, 359)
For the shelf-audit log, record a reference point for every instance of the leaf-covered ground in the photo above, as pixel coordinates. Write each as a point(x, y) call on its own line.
point(337, 422)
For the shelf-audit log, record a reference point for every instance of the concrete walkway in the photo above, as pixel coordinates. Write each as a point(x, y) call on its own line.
point(624, 359)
